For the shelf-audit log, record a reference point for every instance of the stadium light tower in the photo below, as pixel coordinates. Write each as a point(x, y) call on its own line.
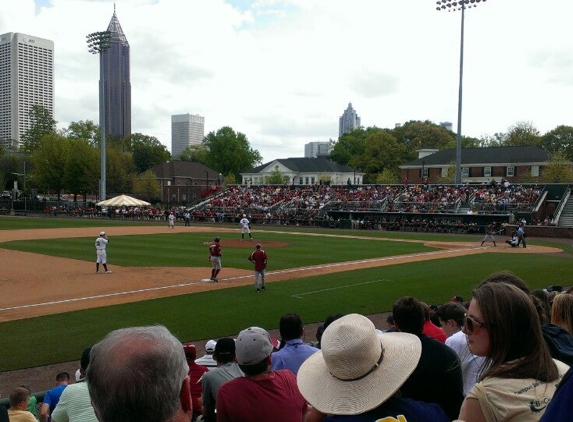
point(452, 6)
point(98, 42)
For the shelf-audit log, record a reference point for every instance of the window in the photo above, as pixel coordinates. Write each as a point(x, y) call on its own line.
point(465, 172)
point(510, 171)
point(535, 171)
point(444, 172)
point(424, 173)
point(487, 171)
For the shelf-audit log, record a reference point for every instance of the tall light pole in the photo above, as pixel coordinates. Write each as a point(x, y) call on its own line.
point(452, 6)
point(98, 42)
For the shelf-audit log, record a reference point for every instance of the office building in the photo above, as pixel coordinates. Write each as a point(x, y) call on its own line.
point(26, 80)
point(317, 149)
point(447, 125)
point(186, 129)
point(114, 84)
point(348, 121)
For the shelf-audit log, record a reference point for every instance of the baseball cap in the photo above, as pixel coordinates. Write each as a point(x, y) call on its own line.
point(252, 346)
point(85, 359)
point(216, 239)
point(458, 299)
point(102, 233)
point(210, 346)
point(190, 351)
point(225, 347)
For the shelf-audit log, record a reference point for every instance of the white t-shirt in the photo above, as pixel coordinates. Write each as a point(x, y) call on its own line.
point(471, 364)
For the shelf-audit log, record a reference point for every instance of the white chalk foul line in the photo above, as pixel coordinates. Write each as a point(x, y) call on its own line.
point(313, 292)
point(78, 299)
point(270, 273)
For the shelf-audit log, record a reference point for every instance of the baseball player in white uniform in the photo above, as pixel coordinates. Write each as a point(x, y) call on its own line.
point(244, 223)
point(100, 244)
point(171, 220)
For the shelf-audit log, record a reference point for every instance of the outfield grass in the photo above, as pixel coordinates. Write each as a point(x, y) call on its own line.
point(58, 338)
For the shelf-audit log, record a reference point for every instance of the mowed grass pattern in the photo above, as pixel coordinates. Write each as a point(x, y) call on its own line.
point(58, 338)
point(190, 249)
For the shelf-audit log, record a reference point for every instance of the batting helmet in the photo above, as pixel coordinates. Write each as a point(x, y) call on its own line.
point(216, 239)
point(102, 233)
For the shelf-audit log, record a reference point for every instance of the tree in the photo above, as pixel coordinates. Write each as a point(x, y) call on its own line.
point(388, 177)
point(350, 145)
point(495, 140)
point(49, 161)
point(230, 152)
point(197, 153)
point(8, 166)
point(87, 131)
point(146, 151)
point(120, 171)
point(416, 135)
point(522, 134)
point(381, 151)
point(559, 140)
point(277, 177)
point(558, 170)
point(450, 176)
point(82, 168)
point(147, 185)
point(41, 124)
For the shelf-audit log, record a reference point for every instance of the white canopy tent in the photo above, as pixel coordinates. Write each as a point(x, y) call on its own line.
point(123, 200)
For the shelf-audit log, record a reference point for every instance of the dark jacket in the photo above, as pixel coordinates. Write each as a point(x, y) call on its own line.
point(560, 343)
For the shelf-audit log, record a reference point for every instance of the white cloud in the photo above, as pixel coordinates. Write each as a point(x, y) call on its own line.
point(283, 71)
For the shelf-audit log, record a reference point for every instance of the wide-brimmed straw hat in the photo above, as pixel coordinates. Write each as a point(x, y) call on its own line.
point(357, 369)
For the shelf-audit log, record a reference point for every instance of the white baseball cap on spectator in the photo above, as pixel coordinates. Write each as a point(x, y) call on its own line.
point(210, 346)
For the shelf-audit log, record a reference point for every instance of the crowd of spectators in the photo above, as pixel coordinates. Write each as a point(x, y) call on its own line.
point(504, 355)
point(326, 205)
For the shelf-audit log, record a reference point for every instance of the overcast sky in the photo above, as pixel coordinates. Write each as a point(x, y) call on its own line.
point(283, 71)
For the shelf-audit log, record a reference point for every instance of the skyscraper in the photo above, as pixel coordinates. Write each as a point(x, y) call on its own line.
point(26, 80)
point(186, 129)
point(115, 85)
point(348, 121)
point(317, 149)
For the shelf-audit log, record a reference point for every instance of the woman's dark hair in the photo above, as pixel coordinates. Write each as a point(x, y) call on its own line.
point(517, 348)
point(542, 306)
point(506, 277)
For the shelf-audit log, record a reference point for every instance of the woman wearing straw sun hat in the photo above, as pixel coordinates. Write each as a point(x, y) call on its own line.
point(355, 376)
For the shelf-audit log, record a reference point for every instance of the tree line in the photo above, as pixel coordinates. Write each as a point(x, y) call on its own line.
point(378, 152)
point(69, 160)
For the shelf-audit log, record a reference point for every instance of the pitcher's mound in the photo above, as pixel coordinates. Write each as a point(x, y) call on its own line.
point(250, 244)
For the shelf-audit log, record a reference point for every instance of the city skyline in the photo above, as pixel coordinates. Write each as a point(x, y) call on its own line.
point(282, 71)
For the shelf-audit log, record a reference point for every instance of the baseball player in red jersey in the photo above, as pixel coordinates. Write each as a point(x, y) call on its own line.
point(259, 257)
point(215, 255)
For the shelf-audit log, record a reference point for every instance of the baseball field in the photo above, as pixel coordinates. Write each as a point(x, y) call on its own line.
point(53, 304)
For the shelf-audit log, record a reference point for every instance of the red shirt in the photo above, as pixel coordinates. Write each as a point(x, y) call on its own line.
point(259, 257)
point(270, 397)
point(215, 249)
point(195, 374)
point(435, 332)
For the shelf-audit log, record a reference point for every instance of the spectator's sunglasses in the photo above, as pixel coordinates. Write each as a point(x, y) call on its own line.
point(470, 323)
